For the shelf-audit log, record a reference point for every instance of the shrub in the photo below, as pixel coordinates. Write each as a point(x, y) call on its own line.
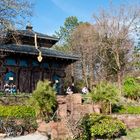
point(43, 99)
point(17, 112)
point(105, 93)
point(19, 115)
point(131, 88)
point(2, 93)
point(101, 126)
point(29, 125)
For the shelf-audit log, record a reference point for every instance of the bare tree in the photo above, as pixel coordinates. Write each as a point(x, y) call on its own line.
point(115, 27)
point(107, 44)
point(14, 13)
point(83, 41)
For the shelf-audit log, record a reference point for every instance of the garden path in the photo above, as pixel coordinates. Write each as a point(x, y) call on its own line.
point(34, 136)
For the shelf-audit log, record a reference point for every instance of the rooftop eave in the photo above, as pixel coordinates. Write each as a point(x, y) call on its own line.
point(32, 34)
point(30, 50)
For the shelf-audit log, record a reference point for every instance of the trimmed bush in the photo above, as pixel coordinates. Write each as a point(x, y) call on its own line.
point(101, 126)
point(17, 112)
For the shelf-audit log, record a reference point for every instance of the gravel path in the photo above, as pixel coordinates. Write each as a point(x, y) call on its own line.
point(35, 136)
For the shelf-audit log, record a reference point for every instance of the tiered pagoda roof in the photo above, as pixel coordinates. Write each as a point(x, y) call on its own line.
point(23, 42)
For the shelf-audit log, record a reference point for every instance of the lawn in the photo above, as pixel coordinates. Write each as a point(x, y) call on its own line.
point(133, 134)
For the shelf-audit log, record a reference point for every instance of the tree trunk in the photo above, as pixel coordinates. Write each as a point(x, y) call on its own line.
point(91, 75)
point(84, 73)
point(119, 81)
point(72, 70)
point(117, 57)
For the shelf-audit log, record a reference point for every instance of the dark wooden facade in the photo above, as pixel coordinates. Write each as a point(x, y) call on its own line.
point(20, 57)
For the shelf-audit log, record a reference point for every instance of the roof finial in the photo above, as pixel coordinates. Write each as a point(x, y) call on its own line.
point(29, 26)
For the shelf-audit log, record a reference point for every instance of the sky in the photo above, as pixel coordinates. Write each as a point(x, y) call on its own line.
point(49, 15)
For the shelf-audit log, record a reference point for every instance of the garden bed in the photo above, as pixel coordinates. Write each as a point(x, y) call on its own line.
point(17, 99)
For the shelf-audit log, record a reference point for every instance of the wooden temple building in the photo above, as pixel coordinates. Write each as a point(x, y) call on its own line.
point(27, 57)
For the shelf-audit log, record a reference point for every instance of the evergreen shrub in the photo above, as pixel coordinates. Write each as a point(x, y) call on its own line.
point(101, 126)
point(43, 100)
point(131, 88)
point(106, 94)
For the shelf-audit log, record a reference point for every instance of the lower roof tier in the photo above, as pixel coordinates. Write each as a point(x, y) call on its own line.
point(31, 50)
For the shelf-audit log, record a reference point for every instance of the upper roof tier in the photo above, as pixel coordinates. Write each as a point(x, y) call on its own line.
point(27, 37)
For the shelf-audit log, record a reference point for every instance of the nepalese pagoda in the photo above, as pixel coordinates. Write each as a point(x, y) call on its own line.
point(27, 57)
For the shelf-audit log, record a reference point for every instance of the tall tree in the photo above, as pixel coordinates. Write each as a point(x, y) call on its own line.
point(65, 31)
point(14, 13)
point(64, 34)
point(114, 27)
point(83, 42)
point(136, 56)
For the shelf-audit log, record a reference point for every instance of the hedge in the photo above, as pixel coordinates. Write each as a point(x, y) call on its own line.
point(17, 112)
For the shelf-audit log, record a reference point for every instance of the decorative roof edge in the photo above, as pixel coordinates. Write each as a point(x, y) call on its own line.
point(31, 33)
point(27, 49)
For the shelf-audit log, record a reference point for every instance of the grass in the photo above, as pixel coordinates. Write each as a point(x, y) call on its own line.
point(130, 110)
point(133, 134)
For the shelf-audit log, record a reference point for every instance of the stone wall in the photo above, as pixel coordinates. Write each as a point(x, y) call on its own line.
point(71, 105)
point(71, 110)
point(131, 121)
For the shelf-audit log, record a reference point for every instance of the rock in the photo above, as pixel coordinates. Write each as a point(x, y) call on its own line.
point(62, 110)
point(97, 109)
point(2, 135)
point(35, 136)
point(42, 127)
